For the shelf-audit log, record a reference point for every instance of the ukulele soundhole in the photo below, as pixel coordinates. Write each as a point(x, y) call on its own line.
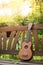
point(26, 46)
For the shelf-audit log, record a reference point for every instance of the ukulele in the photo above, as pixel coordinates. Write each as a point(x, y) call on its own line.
point(25, 53)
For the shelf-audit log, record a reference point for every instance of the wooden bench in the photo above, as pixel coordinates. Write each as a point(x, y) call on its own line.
point(10, 44)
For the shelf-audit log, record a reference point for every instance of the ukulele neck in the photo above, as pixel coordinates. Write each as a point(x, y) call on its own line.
point(28, 36)
point(28, 32)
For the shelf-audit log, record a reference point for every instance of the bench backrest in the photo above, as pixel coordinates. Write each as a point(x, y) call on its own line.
point(8, 41)
point(10, 44)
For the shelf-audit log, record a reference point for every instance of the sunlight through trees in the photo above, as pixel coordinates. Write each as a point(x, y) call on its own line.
point(10, 10)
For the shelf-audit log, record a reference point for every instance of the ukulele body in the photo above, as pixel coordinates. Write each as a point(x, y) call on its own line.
point(25, 53)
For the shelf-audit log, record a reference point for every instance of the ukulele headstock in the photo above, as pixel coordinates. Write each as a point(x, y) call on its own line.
point(30, 26)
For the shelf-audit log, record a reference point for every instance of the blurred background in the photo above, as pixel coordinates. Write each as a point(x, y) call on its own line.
point(20, 12)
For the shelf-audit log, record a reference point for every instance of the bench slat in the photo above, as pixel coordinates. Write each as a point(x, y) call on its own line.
point(13, 28)
point(38, 53)
point(42, 42)
point(9, 52)
point(37, 26)
point(16, 39)
point(0, 41)
point(4, 38)
point(23, 33)
point(11, 38)
point(35, 38)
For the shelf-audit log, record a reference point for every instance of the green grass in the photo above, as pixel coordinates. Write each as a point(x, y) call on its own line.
point(16, 57)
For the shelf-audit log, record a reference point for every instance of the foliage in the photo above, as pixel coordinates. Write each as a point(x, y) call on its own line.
point(36, 16)
point(3, 24)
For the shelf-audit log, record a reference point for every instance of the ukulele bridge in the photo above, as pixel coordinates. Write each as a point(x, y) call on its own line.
point(25, 55)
